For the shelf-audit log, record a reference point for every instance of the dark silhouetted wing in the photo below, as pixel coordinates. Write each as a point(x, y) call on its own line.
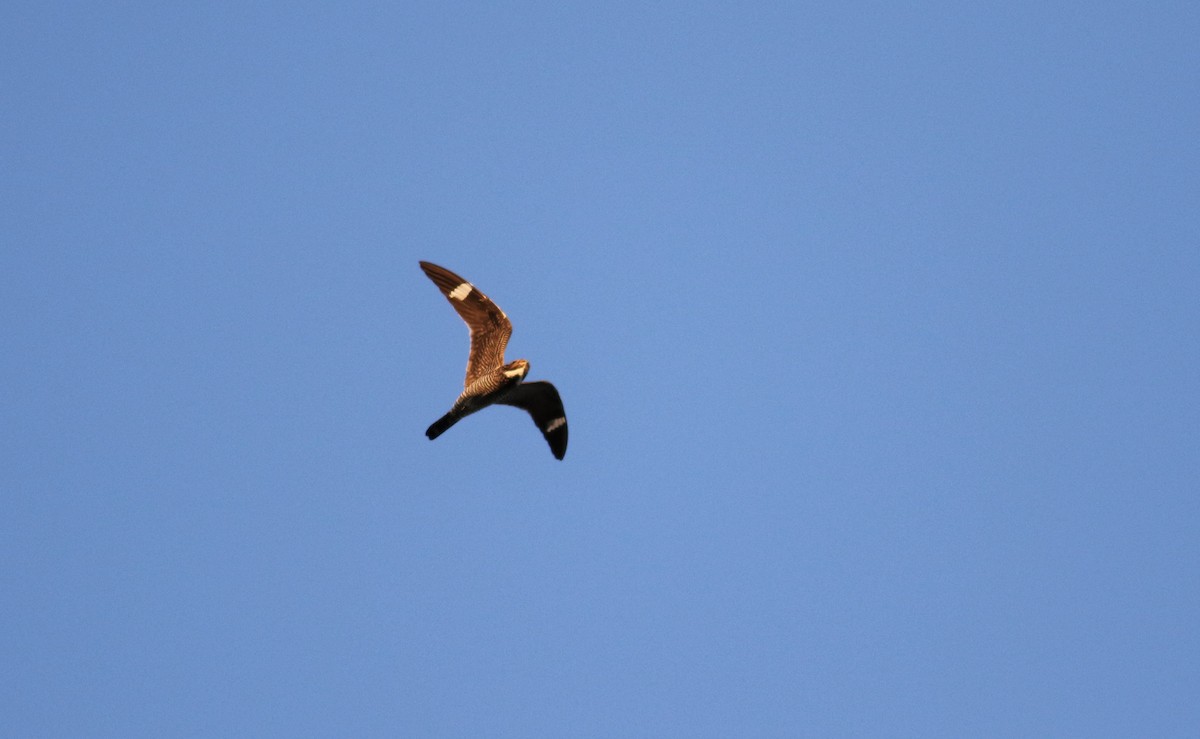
point(490, 328)
point(542, 402)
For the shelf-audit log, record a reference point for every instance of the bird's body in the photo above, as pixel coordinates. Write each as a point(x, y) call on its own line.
point(481, 393)
point(489, 380)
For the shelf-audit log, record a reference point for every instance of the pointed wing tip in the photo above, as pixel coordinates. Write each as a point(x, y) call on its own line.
point(430, 269)
point(557, 439)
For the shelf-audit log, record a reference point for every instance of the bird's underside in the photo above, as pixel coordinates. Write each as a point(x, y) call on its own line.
point(489, 380)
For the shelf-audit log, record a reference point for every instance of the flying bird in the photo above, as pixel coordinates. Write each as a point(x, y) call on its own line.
point(489, 380)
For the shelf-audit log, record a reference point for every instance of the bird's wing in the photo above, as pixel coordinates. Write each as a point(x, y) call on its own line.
point(542, 402)
point(490, 328)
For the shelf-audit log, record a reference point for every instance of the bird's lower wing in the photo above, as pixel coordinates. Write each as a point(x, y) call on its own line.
point(541, 400)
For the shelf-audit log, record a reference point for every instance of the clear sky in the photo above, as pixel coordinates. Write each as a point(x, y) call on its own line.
point(877, 326)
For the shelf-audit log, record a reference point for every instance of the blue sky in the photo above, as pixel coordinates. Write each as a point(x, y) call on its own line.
point(876, 326)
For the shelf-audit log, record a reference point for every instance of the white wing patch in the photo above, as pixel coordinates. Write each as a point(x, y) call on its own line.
point(514, 372)
point(461, 292)
point(556, 423)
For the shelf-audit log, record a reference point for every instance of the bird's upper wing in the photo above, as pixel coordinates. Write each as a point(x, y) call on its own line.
point(542, 402)
point(490, 328)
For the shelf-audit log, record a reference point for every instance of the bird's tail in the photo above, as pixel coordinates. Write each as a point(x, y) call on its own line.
point(439, 426)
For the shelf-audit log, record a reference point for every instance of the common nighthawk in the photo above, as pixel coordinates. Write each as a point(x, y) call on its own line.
point(489, 379)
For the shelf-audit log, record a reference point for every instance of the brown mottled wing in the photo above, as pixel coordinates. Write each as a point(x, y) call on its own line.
point(489, 326)
point(542, 402)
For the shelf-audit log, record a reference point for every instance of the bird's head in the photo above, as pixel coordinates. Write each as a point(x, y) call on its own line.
point(517, 368)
